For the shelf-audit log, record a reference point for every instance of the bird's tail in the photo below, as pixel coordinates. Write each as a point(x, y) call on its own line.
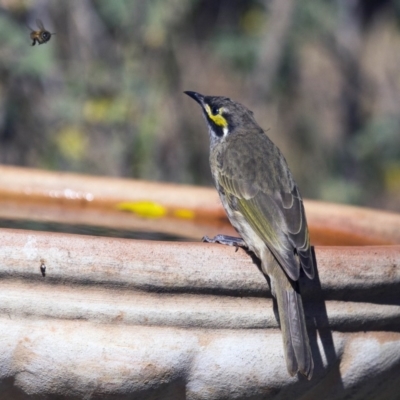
point(294, 332)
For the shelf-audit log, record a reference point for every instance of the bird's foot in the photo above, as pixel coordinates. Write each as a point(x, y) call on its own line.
point(227, 240)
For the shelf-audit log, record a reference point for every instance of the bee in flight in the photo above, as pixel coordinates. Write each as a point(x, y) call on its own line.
point(42, 35)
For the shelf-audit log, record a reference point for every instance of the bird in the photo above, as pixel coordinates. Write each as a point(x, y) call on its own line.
point(264, 205)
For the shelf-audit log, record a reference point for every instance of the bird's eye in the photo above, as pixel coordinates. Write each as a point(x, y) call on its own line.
point(215, 110)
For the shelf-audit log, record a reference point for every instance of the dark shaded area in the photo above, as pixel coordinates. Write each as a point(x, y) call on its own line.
point(173, 390)
point(87, 230)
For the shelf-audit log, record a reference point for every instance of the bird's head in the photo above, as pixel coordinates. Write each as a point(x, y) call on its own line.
point(223, 115)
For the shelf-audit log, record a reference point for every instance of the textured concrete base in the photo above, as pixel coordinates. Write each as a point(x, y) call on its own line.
point(119, 319)
point(81, 359)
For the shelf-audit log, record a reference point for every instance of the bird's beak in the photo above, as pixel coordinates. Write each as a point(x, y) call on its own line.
point(196, 96)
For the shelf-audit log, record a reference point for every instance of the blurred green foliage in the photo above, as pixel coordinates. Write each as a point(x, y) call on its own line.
point(104, 95)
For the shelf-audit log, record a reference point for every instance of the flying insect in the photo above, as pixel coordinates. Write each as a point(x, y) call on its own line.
point(42, 35)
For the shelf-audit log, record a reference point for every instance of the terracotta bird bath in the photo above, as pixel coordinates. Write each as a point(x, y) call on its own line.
point(85, 317)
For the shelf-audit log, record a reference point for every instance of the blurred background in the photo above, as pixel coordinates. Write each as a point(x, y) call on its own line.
point(104, 95)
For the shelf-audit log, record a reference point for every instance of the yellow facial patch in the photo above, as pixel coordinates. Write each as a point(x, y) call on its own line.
point(217, 119)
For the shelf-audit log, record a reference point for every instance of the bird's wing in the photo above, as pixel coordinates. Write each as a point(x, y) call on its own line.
point(272, 205)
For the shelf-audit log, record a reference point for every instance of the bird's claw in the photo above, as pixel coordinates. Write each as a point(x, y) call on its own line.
point(226, 240)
